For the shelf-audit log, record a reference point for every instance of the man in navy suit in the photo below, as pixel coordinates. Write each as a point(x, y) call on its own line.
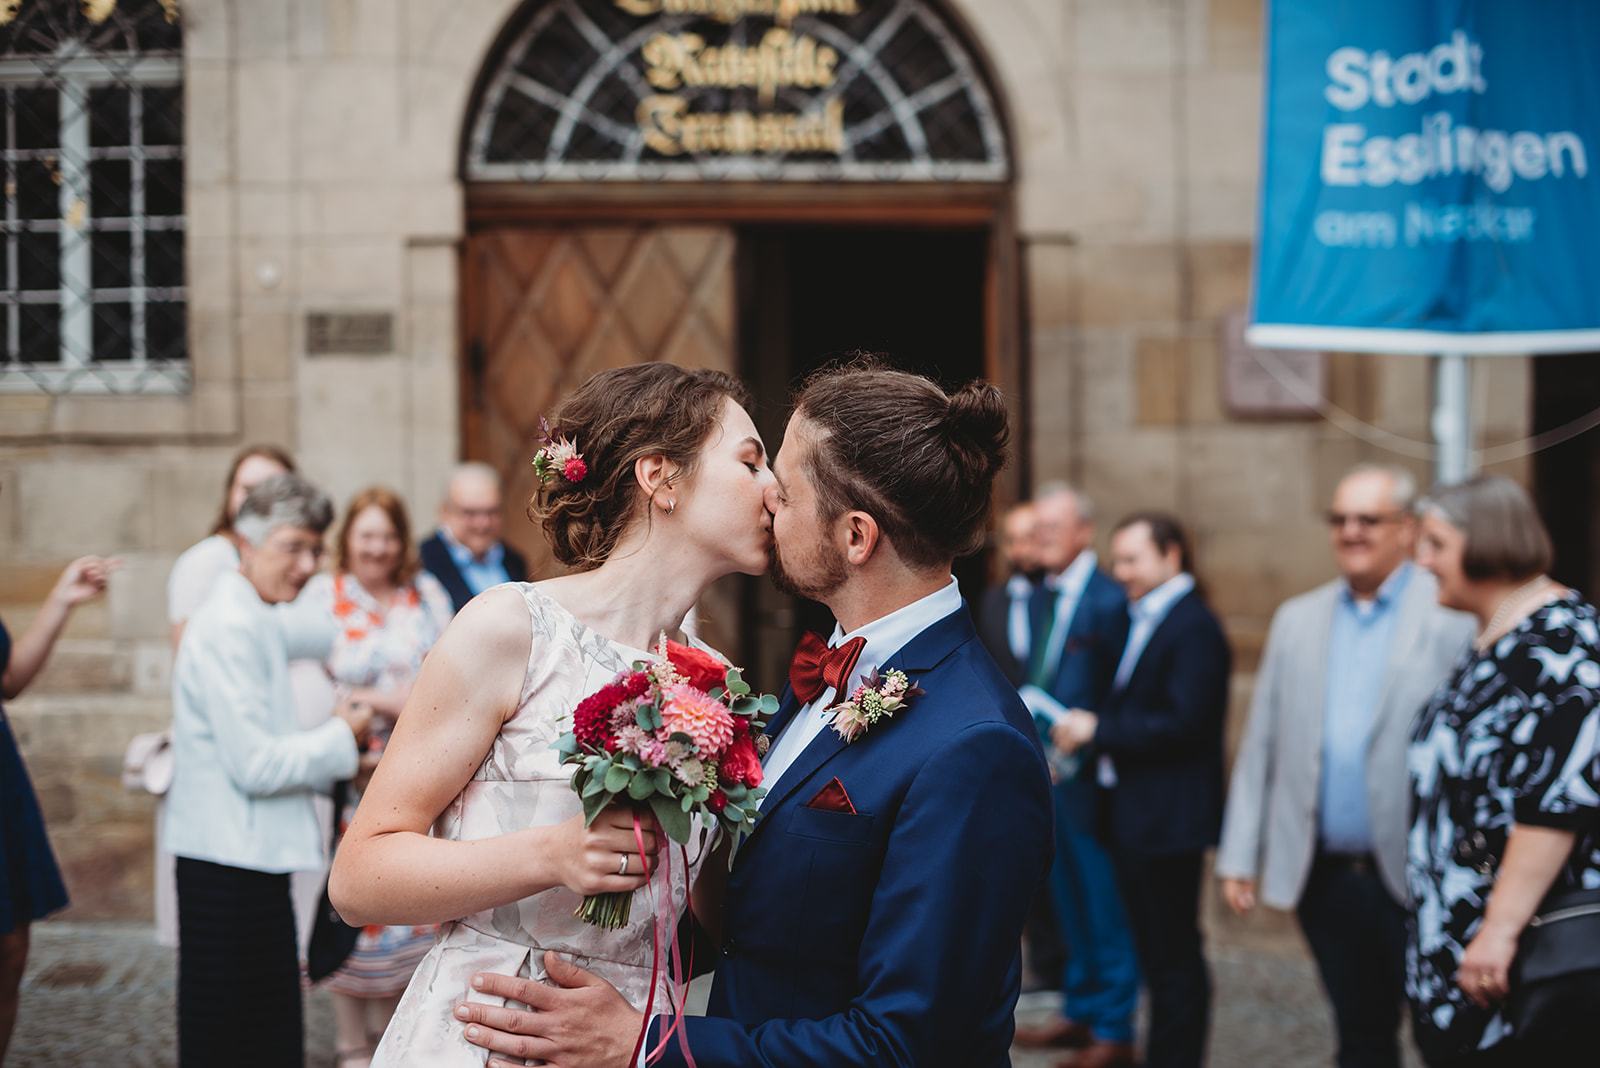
point(874, 915)
point(466, 554)
point(1078, 625)
point(1159, 736)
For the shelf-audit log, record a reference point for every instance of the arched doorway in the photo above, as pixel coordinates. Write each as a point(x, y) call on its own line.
point(754, 185)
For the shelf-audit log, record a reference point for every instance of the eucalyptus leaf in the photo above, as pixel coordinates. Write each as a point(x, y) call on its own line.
point(567, 744)
point(594, 787)
point(674, 821)
point(769, 703)
point(593, 805)
point(686, 803)
point(617, 779)
point(745, 706)
point(700, 794)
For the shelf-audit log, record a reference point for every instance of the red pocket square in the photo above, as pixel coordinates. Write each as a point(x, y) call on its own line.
point(832, 798)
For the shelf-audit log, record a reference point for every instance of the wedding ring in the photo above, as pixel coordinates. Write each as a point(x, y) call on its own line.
point(622, 869)
point(1483, 980)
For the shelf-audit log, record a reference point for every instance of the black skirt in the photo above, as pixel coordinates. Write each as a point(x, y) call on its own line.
point(239, 999)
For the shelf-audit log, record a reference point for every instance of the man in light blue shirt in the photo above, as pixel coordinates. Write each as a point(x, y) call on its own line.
point(1317, 811)
point(466, 554)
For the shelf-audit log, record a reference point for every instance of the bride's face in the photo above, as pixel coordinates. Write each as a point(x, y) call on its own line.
point(723, 508)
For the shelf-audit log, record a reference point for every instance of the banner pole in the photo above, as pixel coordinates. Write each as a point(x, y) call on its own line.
point(1452, 417)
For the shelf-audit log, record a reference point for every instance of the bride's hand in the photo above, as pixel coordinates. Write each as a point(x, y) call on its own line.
point(593, 860)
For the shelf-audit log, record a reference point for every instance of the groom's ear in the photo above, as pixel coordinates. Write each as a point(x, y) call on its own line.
point(860, 534)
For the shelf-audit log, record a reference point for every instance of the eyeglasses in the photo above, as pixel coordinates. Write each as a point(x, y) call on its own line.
point(1337, 520)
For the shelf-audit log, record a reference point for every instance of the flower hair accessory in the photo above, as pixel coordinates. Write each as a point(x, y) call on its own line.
point(880, 697)
point(557, 456)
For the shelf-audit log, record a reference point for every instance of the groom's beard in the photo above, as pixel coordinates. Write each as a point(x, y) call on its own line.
point(814, 576)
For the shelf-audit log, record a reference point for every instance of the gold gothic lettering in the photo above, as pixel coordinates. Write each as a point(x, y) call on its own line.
point(672, 129)
point(675, 60)
point(730, 11)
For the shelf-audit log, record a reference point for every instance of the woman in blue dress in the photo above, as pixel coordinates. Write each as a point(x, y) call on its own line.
point(30, 883)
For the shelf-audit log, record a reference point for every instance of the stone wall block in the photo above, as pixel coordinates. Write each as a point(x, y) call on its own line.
point(1127, 284)
point(208, 211)
point(208, 125)
point(1160, 380)
point(1236, 34)
point(137, 598)
point(25, 415)
point(9, 524)
point(266, 347)
point(263, 115)
point(143, 417)
point(69, 509)
point(344, 125)
point(1222, 119)
point(1051, 272)
point(1130, 470)
point(86, 666)
point(1405, 396)
point(1247, 474)
point(1124, 35)
point(264, 212)
point(214, 409)
point(184, 499)
point(352, 421)
point(267, 413)
point(262, 30)
point(1219, 277)
point(433, 272)
point(205, 29)
point(1202, 392)
point(152, 667)
point(1220, 209)
point(213, 355)
point(1249, 570)
point(364, 270)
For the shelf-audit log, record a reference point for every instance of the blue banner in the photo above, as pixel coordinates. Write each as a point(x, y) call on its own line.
point(1430, 177)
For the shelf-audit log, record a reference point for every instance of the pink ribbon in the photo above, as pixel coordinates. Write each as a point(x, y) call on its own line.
point(665, 931)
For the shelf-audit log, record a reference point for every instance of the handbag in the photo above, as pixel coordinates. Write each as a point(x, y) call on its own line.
point(332, 940)
point(1555, 979)
point(148, 763)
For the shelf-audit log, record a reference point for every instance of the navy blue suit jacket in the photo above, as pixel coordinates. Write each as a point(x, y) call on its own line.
point(889, 936)
point(436, 561)
point(1164, 731)
point(1099, 630)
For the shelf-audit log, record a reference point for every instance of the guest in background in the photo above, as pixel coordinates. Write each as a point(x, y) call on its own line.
point(1078, 626)
point(466, 553)
point(388, 614)
point(30, 883)
point(1003, 610)
point(1505, 773)
point(1159, 736)
point(189, 583)
point(239, 814)
point(1318, 807)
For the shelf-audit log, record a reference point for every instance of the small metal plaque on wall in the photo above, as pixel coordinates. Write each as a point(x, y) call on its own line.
point(349, 333)
point(1269, 383)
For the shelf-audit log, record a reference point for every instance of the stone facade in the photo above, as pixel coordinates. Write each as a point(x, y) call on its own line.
point(323, 140)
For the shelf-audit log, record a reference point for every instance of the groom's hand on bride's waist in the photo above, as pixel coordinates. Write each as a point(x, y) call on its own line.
point(581, 1022)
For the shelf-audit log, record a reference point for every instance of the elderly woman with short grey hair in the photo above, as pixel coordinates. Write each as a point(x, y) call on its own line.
point(239, 814)
point(1505, 768)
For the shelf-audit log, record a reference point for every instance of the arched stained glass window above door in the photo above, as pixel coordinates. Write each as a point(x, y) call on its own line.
point(728, 90)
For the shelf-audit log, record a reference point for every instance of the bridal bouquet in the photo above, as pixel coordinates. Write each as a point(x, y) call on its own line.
point(679, 733)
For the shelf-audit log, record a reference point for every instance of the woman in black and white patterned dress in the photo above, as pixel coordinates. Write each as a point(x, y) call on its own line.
point(1505, 769)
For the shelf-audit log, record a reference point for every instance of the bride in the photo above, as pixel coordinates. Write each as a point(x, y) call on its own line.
point(666, 496)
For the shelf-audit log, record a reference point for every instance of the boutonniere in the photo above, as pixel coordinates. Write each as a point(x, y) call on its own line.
point(880, 697)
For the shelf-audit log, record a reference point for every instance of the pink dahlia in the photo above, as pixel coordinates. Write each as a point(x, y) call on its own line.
point(574, 470)
point(707, 722)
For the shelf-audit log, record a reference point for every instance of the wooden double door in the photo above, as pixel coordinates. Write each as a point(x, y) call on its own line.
point(546, 306)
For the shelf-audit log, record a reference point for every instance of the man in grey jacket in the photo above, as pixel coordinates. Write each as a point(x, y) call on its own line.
point(1316, 814)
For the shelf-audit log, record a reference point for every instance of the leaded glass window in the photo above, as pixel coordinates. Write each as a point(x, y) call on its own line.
point(92, 281)
point(724, 90)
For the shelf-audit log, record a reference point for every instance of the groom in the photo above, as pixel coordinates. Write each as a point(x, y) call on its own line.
point(874, 915)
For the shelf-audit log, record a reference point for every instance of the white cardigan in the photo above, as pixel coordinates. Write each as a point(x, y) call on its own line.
point(246, 772)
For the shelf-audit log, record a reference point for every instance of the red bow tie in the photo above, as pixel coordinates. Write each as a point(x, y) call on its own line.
point(816, 667)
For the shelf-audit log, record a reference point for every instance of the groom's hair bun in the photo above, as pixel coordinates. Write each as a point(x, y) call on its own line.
point(618, 417)
point(920, 461)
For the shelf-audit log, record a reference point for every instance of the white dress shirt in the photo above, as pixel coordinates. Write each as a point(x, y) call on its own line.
point(1144, 616)
point(1018, 626)
point(246, 773)
point(885, 636)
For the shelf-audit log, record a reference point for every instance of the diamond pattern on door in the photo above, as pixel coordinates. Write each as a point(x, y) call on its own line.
point(544, 309)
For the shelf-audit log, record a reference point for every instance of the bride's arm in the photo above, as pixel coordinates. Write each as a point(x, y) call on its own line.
point(388, 870)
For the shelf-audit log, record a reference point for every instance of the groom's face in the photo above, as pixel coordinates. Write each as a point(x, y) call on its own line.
point(806, 558)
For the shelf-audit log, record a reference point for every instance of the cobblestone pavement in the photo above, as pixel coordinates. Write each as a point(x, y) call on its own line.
point(103, 994)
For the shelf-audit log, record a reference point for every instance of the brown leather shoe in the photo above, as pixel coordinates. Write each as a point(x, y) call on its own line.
point(1057, 1034)
point(1101, 1055)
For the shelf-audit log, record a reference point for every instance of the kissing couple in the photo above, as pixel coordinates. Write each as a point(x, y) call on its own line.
point(874, 914)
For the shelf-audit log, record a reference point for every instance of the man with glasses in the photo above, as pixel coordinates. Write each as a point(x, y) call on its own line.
point(1316, 815)
point(466, 554)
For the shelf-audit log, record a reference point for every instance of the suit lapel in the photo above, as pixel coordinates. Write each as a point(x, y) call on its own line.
point(1409, 624)
point(1318, 639)
point(922, 653)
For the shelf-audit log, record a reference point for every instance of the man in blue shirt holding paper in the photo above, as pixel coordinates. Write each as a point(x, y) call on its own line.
point(1076, 626)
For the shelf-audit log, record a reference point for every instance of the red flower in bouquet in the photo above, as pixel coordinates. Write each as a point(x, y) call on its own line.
point(591, 720)
point(740, 762)
point(699, 669)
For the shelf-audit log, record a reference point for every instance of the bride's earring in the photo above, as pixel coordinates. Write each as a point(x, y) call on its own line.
point(672, 506)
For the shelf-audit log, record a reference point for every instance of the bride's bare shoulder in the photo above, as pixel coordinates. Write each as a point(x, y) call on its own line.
point(491, 626)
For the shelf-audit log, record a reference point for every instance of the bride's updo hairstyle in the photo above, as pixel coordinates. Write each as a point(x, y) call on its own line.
point(920, 461)
point(616, 418)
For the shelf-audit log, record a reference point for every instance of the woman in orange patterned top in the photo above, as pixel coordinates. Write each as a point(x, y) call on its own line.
point(388, 613)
